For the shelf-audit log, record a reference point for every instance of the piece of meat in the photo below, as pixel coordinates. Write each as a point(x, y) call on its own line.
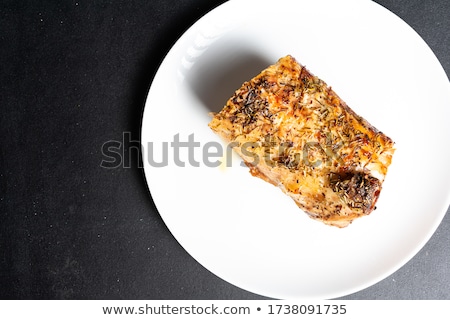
point(293, 131)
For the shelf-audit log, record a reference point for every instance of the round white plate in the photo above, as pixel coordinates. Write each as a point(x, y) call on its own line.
point(248, 232)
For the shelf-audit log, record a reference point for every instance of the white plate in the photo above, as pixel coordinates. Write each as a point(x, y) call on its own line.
point(245, 230)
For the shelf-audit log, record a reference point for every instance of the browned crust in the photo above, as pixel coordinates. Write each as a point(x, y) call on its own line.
point(292, 107)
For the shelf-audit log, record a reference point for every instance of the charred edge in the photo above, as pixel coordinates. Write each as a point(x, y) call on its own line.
point(358, 190)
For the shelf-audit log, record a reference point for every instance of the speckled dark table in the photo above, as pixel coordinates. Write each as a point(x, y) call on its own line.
point(75, 74)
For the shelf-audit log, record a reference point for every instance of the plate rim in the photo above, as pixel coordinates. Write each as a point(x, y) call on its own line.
point(437, 221)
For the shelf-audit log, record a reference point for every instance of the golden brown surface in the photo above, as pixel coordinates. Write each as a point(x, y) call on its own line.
point(293, 131)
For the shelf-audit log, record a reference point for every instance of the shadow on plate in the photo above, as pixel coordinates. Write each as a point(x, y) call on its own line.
point(214, 81)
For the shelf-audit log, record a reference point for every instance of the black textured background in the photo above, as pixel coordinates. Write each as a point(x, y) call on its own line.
point(75, 74)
